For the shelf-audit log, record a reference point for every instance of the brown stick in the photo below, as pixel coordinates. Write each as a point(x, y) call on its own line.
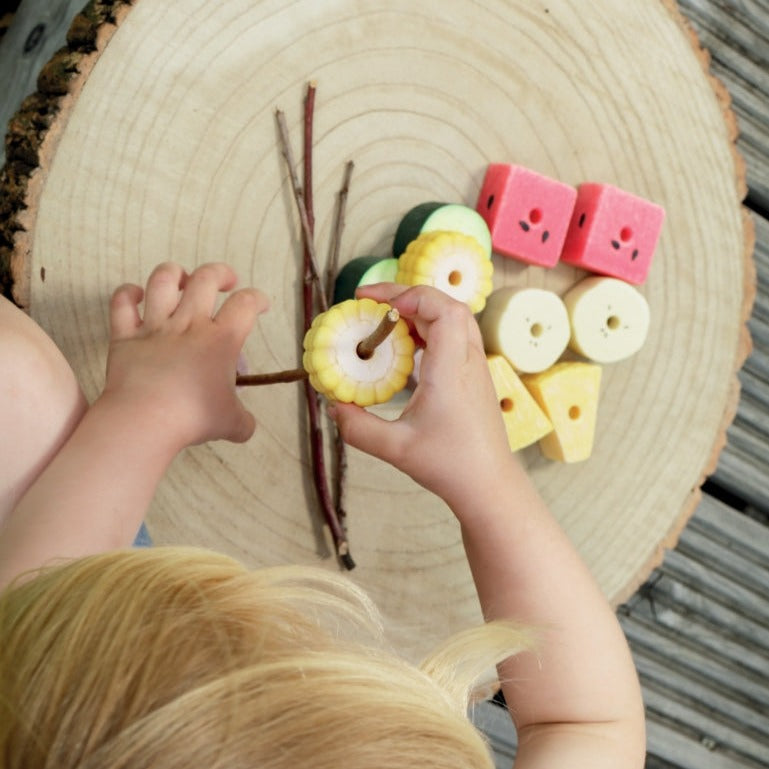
point(300, 198)
point(366, 348)
point(340, 450)
point(311, 278)
point(340, 477)
point(336, 242)
point(274, 377)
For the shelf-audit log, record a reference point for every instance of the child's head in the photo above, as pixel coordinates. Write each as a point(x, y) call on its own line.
point(175, 657)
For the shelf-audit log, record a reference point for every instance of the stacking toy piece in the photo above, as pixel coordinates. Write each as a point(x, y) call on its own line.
point(527, 213)
point(528, 326)
point(525, 422)
point(336, 368)
point(613, 232)
point(568, 394)
point(449, 217)
point(450, 261)
point(362, 271)
point(609, 319)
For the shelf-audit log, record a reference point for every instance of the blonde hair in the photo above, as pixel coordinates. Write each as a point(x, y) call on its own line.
point(178, 657)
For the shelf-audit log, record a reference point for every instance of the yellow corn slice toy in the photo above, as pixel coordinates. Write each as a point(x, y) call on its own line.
point(451, 261)
point(336, 368)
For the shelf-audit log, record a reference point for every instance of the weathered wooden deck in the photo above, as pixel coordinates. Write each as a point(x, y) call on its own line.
point(699, 628)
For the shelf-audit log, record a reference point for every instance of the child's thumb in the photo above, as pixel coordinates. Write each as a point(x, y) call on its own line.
point(243, 425)
point(365, 431)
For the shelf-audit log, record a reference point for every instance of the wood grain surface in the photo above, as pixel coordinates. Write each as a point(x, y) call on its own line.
point(165, 148)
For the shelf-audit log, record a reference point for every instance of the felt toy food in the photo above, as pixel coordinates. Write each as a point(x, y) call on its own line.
point(527, 213)
point(609, 319)
point(449, 217)
point(358, 351)
point(450, 261)
point(362, 271)
point(613, 232)
point(528, 326)
point(568, 394)
point(525, 422)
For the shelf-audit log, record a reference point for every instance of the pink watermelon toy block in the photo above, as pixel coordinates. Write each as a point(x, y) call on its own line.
point(527, 214)
point(613, 232)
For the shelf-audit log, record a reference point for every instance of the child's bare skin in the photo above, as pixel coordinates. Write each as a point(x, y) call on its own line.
point(577, 702)
point(171, 383)
point(41, 403)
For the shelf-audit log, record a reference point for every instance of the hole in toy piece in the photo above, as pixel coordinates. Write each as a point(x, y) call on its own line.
point(490, 201)
point(613, 322)
point(582, 220)
point(455, 278)
point(535, 216)
point(506, 404)
point(575, 413)
point(625, 234)
point(536, 330)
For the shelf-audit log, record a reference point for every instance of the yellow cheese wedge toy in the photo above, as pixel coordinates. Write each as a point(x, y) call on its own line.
point(336, 368)
point(568, 394)
point(525, 422)
point(609, 319)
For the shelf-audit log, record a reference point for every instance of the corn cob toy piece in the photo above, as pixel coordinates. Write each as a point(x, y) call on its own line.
point(450, 261)
point(341, 370)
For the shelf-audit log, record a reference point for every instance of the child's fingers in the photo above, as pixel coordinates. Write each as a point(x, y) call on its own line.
point(380, 292)
point(445, 324)
point(239, 312)
point(162, 294)
point(428, 304)
point(367, 432)
point(124, 315)
point(202, 289)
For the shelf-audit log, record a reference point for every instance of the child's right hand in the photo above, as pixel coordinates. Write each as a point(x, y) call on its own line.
point(451, 428)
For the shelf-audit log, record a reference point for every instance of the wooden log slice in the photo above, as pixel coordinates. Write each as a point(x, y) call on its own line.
point(154, 138)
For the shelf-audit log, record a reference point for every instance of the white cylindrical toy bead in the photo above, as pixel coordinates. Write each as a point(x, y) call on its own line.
point(609, 319)
point(528, 326)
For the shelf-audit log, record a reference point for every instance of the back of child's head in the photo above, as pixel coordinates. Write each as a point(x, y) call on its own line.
point(177, 657)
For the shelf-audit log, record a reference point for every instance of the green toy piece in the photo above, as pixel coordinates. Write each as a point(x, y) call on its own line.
point(363, 271)
point(450, 217)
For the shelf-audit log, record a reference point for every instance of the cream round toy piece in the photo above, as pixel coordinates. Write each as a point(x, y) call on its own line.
point(453, 262)
point(609, 319)
point(339, 369)
point(528, 326)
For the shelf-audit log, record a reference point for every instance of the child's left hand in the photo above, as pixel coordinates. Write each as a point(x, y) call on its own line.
point(178, 358)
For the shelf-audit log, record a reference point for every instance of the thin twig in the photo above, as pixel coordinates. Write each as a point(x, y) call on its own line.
point(307, 185)
point(332, 266)
point(312, 279)
point(299, 197)
point(340, 450)
point(274, 377)
point(367, 346)
point(340, 477)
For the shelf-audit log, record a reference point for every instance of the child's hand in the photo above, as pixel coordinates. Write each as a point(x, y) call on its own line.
point(451, 428)
point(178, 360)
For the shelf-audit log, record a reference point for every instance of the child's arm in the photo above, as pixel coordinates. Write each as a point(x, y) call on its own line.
point(576, 703)
point(170, 384)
